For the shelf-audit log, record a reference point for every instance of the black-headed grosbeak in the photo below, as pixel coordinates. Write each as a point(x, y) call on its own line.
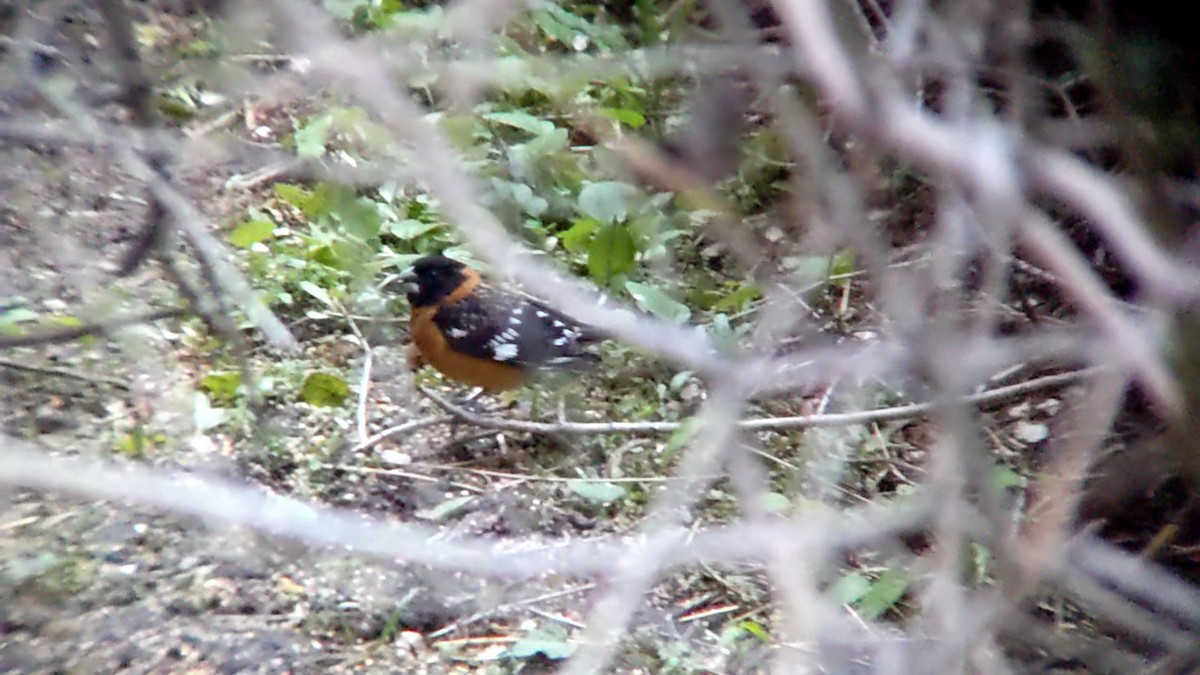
point(485, 336)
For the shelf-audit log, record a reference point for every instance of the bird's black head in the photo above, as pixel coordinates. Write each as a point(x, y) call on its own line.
point(432, 278)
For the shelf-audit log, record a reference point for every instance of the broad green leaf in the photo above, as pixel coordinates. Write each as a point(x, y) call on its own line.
point(577, 238)
point(251, 232)
point(809, 269)
point(630, 118)
point(17, 315)
point(681, 378)
point(549, 641)
point(885, 592)
point(540, 147)
point(312, 137)
point(680, 438)
point(597, 492)
point(445, 509)
point(611, 253)
point(849, 589)
point(305, 200)
point(737, 300)
point(774, 502)
point(607, 201)
point(359, 217)
point(409, 229)
point(222, 386)
point(657, 302)
point(1004, 478)
point(317, 292)
point(842, 262)
point(754, 628)
point(521, 120)
point(531, 204)
point(324, 390)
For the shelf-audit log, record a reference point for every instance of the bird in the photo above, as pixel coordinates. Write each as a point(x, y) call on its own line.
point(485, 336)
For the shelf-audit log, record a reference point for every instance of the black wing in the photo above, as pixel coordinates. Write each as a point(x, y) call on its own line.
point(508, 328)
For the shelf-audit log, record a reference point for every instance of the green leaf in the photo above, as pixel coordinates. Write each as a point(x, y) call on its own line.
point(9, 319)
point(324, 390)
point(540, 147)
point(612, 252)
point(251, 232)
point(607, 201)
point(549, 641)
point(312, 137)
point(850, 588)
point(680, 438)
point(317, 292)
point(842, 262)
point(681, 378)
point(305, 200)
point(885, 592)
point(774, 502)
point(531, 204)
point(1004, 478)
point(754, 628)
point(445, 509)
point(577, 238)
point(521, 120)
point(409, 229)
point(630, 118)
point(657, 302)
point(597, 492)
point(809, 269)
point(737, 300)
point(222, 386)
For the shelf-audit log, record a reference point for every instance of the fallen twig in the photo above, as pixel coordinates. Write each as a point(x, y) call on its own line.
point(983, 399)
point(69, 333)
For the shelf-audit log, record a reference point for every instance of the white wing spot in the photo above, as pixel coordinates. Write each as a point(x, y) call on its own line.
point(558, 324)
point(514, 320)
point(457, 333)
point(560, 342)
point(506, 351)
point(541, 314)
point(519, 310)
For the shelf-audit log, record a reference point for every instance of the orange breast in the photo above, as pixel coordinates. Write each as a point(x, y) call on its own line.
point(467, 369)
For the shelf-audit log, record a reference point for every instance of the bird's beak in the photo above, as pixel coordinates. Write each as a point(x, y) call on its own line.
point(405, 280)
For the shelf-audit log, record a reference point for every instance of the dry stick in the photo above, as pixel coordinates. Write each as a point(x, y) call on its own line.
point(114, 382)
point(69, 333)
point(24, 464)
point(399, 429)
point(364, 385)
point(983, 399)
point(450, 628)
point(399, 473)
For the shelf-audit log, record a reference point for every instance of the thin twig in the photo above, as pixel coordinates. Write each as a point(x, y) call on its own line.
point(69, 333)
point(409, 426)
point(983, 399)
point(114, 382)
